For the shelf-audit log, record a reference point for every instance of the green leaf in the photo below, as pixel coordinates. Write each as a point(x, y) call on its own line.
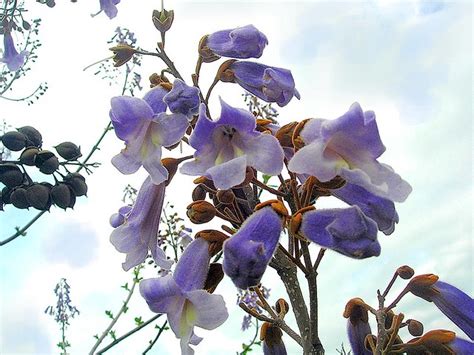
point(112, 334)
point(139, 321)
point(125, 287)
point(109, 314)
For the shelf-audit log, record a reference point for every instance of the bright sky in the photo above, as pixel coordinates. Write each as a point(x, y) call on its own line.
point(408, 61)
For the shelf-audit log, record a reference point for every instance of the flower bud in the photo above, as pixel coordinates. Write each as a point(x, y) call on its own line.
point(282, 307)
point(27, 156)
point(77, 183)
point(214, 277)
point(14, 141)
point(225, 197)
point(38, 196)
point(63, 196)
point(68, 151)
point(18, 198)
point(10, 175)
point(201, 212)
point(405, 272)
point(199, 193)
point(33, 136)
point(414, 327)
point(163, 19)
point(47, 162)
point(122, 54)
point(271, 335)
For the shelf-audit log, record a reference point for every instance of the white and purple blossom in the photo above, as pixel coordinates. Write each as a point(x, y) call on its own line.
point(136, 228)
point(349, 147)
point(145, 127)
point(109, 7)
point(241, 42)
point(268, 83)
point(11, 57)
point(345, 230)
point(183, 99)
point(182, 298)
point(224, 148)
point(248, 252)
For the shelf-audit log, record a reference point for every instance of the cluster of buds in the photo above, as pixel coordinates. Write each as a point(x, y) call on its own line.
point(20, 190)
point(452, 302)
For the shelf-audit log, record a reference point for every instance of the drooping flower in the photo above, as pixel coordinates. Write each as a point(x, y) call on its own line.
point(454, 303)
point(241, 42)
point(437, 341)
point(270, 84)
point(248, 252)
point(358, 326)
point(271, 335)
point(11, 57)
point(145, 127)
point(183, 98)
point(345, 230)
point(136, 228)
point(224, 148)
point(381, 210)
point(109, 7)
point(182, 298)
point(349, 147)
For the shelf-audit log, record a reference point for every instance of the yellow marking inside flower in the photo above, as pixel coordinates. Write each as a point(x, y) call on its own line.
point(188, 318)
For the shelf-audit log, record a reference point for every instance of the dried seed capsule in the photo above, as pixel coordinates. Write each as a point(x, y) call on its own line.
point(14, 141)
point(38, 196)
point(77, 183)
point(46, 161)
point(226, 197)
point(10, 175)
point(199, 193)
point(18, 198)
point(27, 157)
point(414, 327)
point(33, 136)
point(63, 196)
point(68, 151)
point(5, 195)
point(163, 19)
point(201, 212)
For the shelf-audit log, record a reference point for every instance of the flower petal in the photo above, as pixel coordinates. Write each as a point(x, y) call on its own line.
point(154, 98)
point(127, 115)
point(265, 154)
point(193, 266)
point(167, 130)
point(162, 295)
point(210, 309)
point(228, 174)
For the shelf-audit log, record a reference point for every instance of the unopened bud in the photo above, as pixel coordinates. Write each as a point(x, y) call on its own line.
point(122, 54)
point(199, 193)
point(214, 277)
point(14, 141)
point(163, 19)
point(18, 198)
point(415, 327)
point(405, 272)
point(47, 162)
point(38, 196)
point(27, 156)
point(63, 196)
point(77, 183)
point(33, 136)
point(215, 238)
point(10, 175)
point(68, 151)
point(282, 307)
point(201, 212)
point(225, 197)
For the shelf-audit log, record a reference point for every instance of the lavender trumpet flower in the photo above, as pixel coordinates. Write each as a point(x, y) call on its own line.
point(11, 57)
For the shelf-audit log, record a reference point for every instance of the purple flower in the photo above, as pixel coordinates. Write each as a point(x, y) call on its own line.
point(349, 146)
point(182, 298)
point(145, 128)
point(268, 83)
point(183, 99)
point(11, 57)
point(108, 6)
point(358, 326)
point(437, 341)
point(345, 230)
point(248, 252)
point(242, 42)
point(461, 346)
point(381, 210)
point(224, 148)
point(272, 340)
point(136, 230)
point(451, 301)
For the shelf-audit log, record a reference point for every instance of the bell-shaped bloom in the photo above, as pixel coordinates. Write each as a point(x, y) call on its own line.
point(345, 230)
point(145, 127)
point(348, 146)
point(270, 84)
point(242, 42)
point(358, 326)
point(136, 228)
point(272, 340)
point(248, 252)
point(224, 148)
point(109, 7)
point(11, 57)
point(182, 298)
point(451, 301)
point(437, 341)
point(183, 99)
point(381, 210)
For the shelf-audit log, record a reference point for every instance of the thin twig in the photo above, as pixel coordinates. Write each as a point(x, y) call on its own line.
point(156, 338)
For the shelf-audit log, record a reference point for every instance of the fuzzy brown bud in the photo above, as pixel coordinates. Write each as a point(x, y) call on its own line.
point(282, 307)
point(201, 212)
point(215, 238)
point(415, 327)
point(405, 272)
point(225, 197)
point(214, 277)
point(199, 193)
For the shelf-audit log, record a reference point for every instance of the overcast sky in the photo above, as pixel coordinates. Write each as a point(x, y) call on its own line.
point(408, 61)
